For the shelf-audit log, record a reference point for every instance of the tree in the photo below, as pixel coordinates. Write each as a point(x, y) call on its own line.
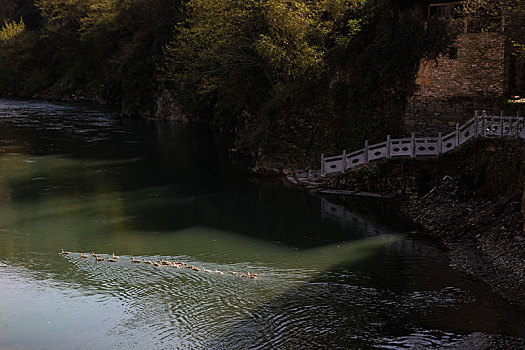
point(16, 57)
point(233, 58)
point(106, 49)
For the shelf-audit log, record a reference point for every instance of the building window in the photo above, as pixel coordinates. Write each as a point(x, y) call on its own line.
point(444, 11)
point(438, 11)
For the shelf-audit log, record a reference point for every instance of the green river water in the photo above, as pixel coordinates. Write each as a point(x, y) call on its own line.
point(82, 179)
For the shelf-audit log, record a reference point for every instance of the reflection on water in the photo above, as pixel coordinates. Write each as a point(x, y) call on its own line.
point(347, 220)
point(80, 179)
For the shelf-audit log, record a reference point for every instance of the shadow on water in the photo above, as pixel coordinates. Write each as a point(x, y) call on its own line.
point(403, 296)
point(50, 190)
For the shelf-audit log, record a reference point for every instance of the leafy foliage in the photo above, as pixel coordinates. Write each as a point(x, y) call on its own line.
point(211, 61)
point(292, 45)
point(339, 69)
point(11, 30)
point(16, 45)
point(104, 50)
point(239, 61)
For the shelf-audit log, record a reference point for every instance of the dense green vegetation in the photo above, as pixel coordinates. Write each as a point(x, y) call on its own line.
point(288, 76)
point(106, 51)
point(299, 75)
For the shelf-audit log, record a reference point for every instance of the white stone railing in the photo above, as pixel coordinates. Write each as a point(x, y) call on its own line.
point(482, 125)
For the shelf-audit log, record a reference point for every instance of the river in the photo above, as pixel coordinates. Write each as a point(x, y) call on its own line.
point(79, 178)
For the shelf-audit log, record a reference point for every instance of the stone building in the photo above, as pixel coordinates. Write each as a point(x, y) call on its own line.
point(474, 74)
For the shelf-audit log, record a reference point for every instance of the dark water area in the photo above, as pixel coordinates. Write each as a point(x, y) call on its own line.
point(83, 179)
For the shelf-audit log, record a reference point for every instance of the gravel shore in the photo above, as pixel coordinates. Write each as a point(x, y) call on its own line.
point(485, 237)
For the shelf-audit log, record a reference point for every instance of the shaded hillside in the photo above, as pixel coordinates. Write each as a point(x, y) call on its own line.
point(288, 77)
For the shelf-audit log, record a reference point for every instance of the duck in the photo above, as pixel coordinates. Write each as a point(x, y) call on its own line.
point(147, 261)
point(95, 255)
point(111, 260)
point(62, 251)
point(115, 256)
point(99, 258)
point(232, 272)
point(164, 262)
point(156, 263)
point(251, 275)
point(206, 270)
point(194, 268)
point(134, 260)
point(84, 255)
point(219, 272)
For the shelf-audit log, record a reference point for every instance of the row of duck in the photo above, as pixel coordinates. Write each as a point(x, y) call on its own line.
point(161, 262)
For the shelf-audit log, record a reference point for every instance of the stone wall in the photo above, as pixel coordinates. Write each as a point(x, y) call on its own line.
point(453, 86)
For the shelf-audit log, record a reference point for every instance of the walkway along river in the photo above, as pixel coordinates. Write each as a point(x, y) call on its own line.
point(329, 276)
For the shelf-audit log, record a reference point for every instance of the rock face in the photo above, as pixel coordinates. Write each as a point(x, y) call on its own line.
point(168, 107)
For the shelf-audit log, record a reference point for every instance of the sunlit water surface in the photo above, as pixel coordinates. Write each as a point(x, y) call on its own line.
point(329, 276)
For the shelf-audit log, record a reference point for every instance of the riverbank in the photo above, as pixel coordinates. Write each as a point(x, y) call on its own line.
point(470, 199)
point(484, 236)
